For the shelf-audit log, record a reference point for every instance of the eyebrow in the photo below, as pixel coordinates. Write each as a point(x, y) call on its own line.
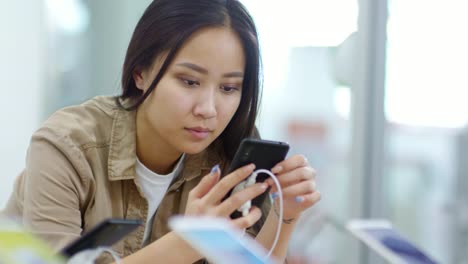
point(205, 71)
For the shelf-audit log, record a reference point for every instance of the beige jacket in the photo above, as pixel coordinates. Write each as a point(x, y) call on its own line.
point(80, 171)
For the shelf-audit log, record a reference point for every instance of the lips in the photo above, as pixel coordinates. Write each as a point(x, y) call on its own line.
point(199, 133)
point(200, 129)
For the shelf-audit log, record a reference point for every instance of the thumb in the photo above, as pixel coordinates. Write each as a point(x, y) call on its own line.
point(208, 181)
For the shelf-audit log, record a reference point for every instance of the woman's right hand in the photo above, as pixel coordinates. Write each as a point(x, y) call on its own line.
point(206, 198)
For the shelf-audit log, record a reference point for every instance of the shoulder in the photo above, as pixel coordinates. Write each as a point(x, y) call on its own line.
point(81, 125)
point(79, 138)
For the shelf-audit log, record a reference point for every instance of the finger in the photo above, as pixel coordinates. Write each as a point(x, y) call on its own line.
point(292, 177)
point(302, 188)
point(207, 183)
point(248, 220)
point(228, 182)
point(290, 163)
point(236, 200)
point(309, 200)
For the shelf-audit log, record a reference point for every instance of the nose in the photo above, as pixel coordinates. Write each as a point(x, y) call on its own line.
point(205, 106)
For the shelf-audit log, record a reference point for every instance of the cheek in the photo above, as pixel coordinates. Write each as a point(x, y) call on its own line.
point(229, 108)
point(171, 100)
point(179, 100)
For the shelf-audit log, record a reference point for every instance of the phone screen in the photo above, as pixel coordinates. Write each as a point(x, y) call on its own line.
point(221, 247)
point(399, 245)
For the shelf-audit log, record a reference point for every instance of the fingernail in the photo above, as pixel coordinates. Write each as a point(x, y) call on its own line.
point(277, 169)
point(274, 195)
point(299, 199)
point(215, 169)
point(249, 167)
point(263, 186)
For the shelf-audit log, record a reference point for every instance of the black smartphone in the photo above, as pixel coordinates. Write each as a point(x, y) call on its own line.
point(106, 233)
point(265, 154)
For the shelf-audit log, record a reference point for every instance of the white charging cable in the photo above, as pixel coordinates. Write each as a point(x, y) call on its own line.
point(246, 206)
point(89, 256)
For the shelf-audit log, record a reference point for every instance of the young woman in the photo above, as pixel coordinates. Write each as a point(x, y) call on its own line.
point(190, 95)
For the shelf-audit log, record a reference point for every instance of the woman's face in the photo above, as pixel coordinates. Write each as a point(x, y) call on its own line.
point(197, 96)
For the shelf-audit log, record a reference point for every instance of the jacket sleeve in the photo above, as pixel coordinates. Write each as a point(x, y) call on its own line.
point(52, 187)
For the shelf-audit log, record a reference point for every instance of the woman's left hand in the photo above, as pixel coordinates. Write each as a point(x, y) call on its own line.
point(297, 180)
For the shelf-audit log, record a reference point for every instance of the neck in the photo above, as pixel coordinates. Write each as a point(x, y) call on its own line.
point(152, 151)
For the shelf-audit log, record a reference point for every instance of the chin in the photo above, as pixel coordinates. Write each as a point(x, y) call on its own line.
point(195, 148)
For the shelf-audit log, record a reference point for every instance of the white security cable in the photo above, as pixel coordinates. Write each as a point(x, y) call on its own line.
point(90, 255)
point(246, 206)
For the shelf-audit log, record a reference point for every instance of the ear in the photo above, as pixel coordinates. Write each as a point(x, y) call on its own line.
point(139, 78)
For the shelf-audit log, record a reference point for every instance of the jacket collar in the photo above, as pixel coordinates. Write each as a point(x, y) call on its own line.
point(199, 164)
point(122, 148)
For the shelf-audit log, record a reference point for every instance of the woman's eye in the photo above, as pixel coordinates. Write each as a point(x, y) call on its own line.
point(229, 89)
point(189, 82)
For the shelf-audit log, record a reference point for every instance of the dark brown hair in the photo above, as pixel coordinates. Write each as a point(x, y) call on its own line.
point(166, 25)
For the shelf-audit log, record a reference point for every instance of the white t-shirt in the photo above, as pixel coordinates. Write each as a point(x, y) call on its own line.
point(154, 187)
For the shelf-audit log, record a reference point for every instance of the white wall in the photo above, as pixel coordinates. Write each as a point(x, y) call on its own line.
point(26, 68)
point(21, 57)
point(110, 34)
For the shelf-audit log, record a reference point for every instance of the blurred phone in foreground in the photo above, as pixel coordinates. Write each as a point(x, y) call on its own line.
point(218, 241)
point(20, 247)
point(105, 234)
point(380, 236)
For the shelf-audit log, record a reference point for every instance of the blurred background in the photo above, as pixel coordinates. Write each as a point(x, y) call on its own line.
point(373, 92)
